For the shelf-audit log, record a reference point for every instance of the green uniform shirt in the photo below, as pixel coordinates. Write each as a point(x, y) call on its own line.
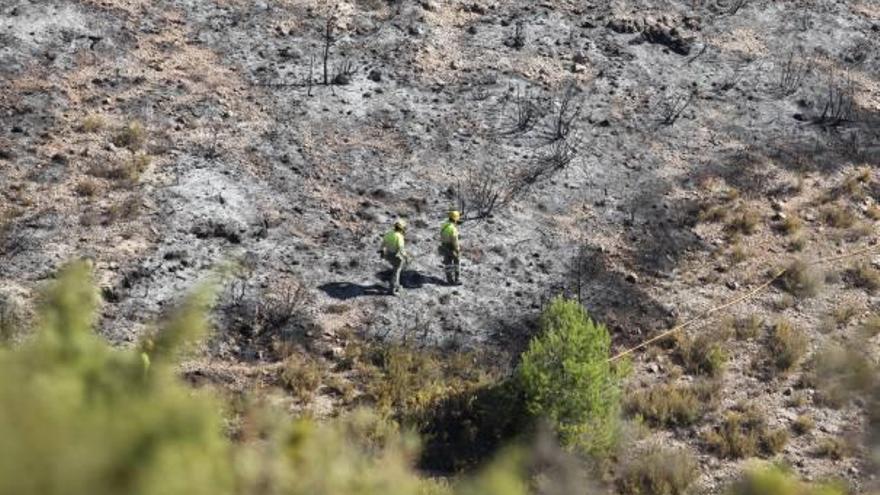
point(449, 235)
point(393, 242)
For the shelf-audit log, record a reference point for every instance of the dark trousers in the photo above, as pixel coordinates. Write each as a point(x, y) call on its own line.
point(451, 264)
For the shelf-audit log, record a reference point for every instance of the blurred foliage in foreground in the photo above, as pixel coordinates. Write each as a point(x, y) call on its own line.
point(79, 417)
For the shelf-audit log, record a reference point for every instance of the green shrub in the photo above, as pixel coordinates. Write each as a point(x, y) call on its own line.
point(658, 471)
point(774, 481)
point(567, 379)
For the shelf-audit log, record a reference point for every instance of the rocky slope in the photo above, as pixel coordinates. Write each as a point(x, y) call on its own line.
point(169, 140)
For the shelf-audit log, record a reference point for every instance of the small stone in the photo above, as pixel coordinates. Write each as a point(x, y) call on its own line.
point(732, 285)
point(375, 75)
point(632, 278)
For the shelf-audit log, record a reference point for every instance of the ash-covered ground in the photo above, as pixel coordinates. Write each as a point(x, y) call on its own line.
point(594, 147)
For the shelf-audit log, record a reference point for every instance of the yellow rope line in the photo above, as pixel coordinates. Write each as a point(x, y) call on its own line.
point(705, 314)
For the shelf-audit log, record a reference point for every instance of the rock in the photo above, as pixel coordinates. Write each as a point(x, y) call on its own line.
point(632, 278)
point(472, 29)
point(476, 8)
point(375, 75)
point(669, 37)
point(429, 5)
point(342, 79)
point(623, 25)
point(732, 285)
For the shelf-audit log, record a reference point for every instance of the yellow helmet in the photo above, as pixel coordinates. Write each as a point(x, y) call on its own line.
point(400, 225)
point(455, 215)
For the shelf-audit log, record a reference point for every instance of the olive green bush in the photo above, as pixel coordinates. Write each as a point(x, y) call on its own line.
point(79, 417)
point(567, 379)
point(771, 480)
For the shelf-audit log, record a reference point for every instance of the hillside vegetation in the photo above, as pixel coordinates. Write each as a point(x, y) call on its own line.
point(623, 168)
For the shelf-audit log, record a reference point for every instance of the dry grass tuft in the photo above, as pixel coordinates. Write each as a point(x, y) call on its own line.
point(791, 224)
point(132, 136)
point(838, 374)
point(838, 216)
point(744, 432)
point(803, 424)
point(839, 317)
point(748, 327)
point(864, 276)
point(702, 354)
point(786, 346)
point(87, 188)
point(835, 448)
point(302, 375)
point(797, 244)
point(92, 123)
point(802, 280)
point(745, 221)
point(871, 327)
point(672, 405)
point(738, 254)
point(659, 471)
